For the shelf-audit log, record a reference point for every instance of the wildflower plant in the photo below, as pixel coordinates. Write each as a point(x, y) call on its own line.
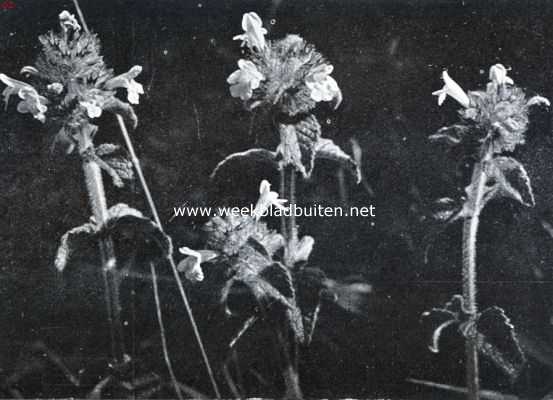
point(288, 78)
point(71, 87)
point(252, 256)
point(493, 122)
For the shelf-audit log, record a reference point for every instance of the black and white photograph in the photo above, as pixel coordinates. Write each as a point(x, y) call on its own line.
point(276, 199)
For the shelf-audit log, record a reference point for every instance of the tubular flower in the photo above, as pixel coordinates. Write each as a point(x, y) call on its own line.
point(193, 270)
point(254, 36)
point(452, 89)
point(323, 87)
point(126, 80)
point(68, 21)
point(244, 80)
point(500, 114)
point(31, 102)
point(267, 198)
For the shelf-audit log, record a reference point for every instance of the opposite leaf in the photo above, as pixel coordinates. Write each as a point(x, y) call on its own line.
point(512, 180)
point(262, 155)
point(68, 243)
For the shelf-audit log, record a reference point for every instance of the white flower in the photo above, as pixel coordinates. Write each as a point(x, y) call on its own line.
point(451, 88)
point(323, 87)
point(192, 270)
point(126, 80)
point(498, 75)
point(191, 265)
point(267, 198)
point(55, 87)
point(244, 80)
point(92, 109)
point(68, 20)
point(31, 102)
point(254, 36)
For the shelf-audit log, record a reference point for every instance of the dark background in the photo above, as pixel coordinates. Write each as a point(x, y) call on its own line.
point(387, 57)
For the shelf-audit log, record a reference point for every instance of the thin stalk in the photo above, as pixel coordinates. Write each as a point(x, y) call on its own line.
point(153, 210)
point(162, 333)
point(284, 195)
point(292, 223)
point(287, 341)
point(98, 205)
point(470, 231)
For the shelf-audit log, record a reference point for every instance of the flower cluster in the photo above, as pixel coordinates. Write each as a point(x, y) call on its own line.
point(229, 235)
point(288, 74)
point(71, 83)
point(498, 114)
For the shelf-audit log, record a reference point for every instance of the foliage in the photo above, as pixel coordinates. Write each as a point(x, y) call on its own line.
point(122, 222)
point(491, 329)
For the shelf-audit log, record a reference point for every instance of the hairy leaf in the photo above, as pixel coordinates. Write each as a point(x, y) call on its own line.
point(326, 149)
point(261, 155)
point(437, 319)
point(68, 243)
point(450, 135)
point(129, 223)
point(497, 340)
point(512, 180)
point(302, 250)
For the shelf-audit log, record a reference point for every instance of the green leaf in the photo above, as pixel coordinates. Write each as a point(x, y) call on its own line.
point(290, 153)
point(69, 243)
point(261, 155)
point(116, 158)
point(450, 135)
point(497, 340)
point(302, 250)
point(437, 319)
point(326, 149)
point(512, 180)
point(129, 223)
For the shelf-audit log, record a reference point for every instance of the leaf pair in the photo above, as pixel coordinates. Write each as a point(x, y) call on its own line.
point(491, 329)
point(123, 221)
point(505, 177)
point(300, 145)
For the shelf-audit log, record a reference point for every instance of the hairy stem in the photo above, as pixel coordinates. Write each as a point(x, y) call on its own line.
point(284, 195)
point(162, 333)
point(287, 336)
point(98, 205)
point(470, 230)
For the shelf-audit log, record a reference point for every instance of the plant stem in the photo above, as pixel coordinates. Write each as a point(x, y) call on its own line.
point(293, 238)
point(283, 194)
point(153, 209)
point(162, 333)
point(98, 205)
point(470, 230)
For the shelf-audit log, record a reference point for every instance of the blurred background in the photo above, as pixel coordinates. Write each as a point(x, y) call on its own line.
point(388, 56)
